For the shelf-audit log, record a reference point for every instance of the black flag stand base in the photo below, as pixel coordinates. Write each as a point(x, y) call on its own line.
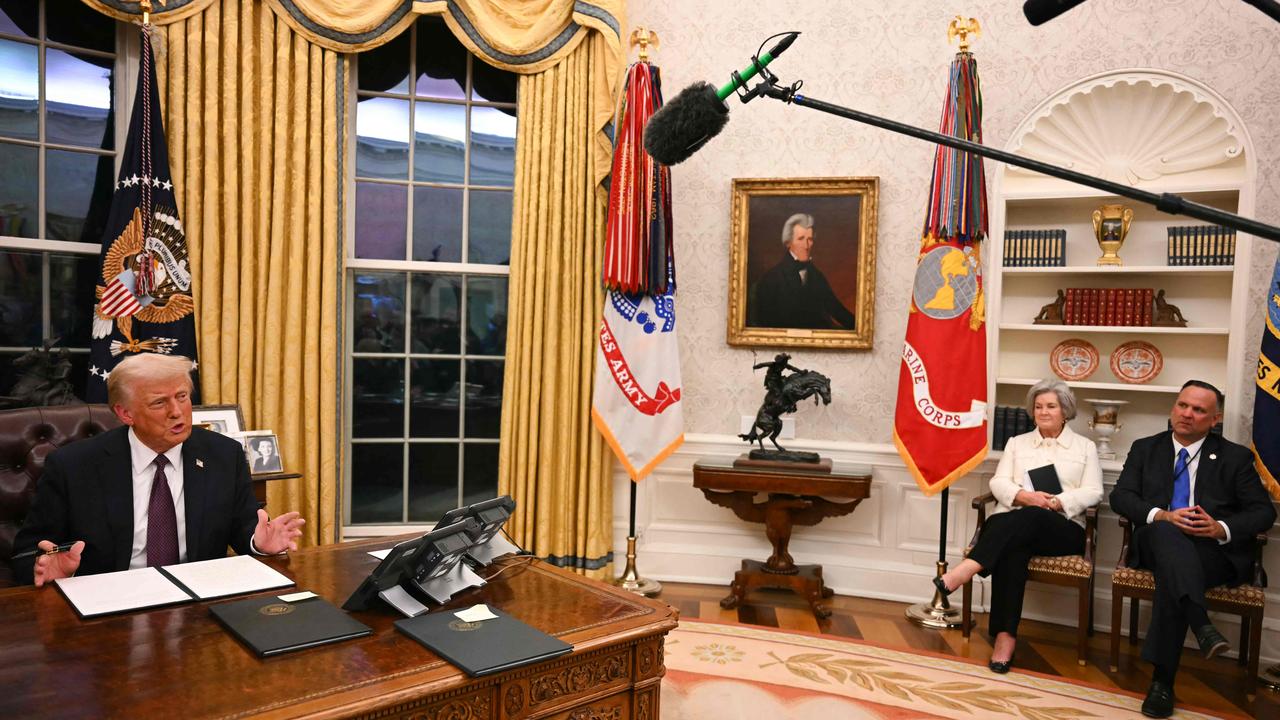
point(1270, 678)
point(937, 613)
point(631, 580)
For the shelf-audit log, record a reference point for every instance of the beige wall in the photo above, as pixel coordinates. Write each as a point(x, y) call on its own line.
point(890, 59)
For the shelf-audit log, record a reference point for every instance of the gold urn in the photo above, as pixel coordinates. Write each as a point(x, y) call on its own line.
point(1110, 227)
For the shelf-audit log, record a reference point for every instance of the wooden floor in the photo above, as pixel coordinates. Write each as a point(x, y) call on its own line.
point(1219, 685)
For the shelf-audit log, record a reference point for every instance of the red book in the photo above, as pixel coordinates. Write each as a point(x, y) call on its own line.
point(1069, 308)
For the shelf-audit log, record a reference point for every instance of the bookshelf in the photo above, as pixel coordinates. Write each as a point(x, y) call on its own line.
point(1135, 127)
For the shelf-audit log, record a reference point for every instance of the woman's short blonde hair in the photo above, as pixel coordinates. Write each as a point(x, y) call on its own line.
point(145, 367)
point(1066, 399)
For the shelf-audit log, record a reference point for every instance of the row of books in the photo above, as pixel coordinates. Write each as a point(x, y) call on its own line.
point(1108, 306)
point(1008, 422)
point(1035, 248)
point(1202, 245)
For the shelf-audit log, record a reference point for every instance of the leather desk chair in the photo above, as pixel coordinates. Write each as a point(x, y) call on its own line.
point(27, 436)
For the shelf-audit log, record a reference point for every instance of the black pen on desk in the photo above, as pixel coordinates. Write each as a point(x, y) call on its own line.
point(33, 553)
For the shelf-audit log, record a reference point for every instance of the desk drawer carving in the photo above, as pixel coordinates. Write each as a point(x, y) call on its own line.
point(614, 707)
point(590, 675)
point(471, 706)
point(649, 659)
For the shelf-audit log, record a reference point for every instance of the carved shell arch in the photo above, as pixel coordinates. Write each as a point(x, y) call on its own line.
point(1133, 127)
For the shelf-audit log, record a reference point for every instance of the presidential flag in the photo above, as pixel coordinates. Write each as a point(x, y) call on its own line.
point(940, 422)
point(1266, 399)
point(636, 399)
point(144, 295)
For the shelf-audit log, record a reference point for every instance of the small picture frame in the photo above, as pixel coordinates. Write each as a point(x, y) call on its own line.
point(262, 449)
point(223, 419)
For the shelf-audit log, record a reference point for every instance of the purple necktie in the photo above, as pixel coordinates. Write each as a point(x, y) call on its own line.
point(162, 523)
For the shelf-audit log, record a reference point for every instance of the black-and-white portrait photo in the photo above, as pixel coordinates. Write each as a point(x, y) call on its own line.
point(264, 454)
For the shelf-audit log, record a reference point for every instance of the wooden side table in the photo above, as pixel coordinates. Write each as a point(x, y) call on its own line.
point(796, 497)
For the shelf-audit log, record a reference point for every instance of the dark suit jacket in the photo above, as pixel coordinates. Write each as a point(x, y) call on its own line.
point(86, 493)
point(781, 301)
point(1226, 486)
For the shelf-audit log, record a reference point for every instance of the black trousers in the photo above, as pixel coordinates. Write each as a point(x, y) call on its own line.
point(1184, 567)
point(1007, 543)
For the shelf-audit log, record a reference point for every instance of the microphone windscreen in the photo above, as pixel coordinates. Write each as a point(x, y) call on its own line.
point(685, 123)
point(1039, 12)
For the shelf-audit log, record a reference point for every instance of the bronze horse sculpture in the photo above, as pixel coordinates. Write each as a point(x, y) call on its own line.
point(782, 397)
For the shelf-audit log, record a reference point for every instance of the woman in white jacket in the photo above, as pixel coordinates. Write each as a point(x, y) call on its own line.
point(1044, 524)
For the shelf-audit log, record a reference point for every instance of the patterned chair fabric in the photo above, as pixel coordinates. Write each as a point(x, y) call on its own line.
point(27, 436)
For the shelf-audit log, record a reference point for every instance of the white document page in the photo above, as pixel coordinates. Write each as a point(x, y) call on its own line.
point(227, 576)
point(120, 591)
point(381, 554)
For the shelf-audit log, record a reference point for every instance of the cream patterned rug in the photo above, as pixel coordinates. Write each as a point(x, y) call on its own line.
point(735, 672)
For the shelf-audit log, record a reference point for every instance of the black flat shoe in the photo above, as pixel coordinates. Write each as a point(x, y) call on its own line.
point(1159, 701)
point(1001, 667)
point(942, 587)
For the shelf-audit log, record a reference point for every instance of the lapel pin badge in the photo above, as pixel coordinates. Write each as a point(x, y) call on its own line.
point(1213, 456)
point(199, 463)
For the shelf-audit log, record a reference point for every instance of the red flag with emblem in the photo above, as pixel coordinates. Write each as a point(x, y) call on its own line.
point(940, 426)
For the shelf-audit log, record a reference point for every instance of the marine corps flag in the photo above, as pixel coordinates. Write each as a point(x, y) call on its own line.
point(636, 399)
point(940, 422)
point(144, 295)
point(1266, 399)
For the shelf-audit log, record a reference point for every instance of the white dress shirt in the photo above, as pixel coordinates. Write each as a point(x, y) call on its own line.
point(1074, 458)
point(143, 459)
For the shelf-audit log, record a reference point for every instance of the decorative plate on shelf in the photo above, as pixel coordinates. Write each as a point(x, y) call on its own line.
point(1136, 362)
point(1074, 359)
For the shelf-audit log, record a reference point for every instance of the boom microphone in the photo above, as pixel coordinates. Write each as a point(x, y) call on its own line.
point(1039, 12)
point(698, 113)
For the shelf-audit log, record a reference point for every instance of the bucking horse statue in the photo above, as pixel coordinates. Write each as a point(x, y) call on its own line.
point(782, 394)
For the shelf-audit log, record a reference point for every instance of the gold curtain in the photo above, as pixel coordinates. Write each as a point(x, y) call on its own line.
point(552, 460)
point(254, 126)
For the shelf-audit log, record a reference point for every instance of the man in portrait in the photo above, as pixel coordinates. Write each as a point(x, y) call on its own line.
point(795, 293)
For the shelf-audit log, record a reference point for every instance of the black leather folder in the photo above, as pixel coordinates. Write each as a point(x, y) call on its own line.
point(482, 648)
point(1045, 479)
point(271, 626)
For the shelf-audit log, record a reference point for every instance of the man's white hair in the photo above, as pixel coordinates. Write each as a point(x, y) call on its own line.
point(137, 370)
point(804, 220)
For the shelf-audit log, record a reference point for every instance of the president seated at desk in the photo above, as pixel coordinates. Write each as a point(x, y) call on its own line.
point(155, 492)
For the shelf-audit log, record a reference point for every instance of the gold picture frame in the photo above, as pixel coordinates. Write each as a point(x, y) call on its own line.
point(765, 274)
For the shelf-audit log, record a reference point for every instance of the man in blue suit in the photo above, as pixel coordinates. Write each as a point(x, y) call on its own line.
point(1196, 503)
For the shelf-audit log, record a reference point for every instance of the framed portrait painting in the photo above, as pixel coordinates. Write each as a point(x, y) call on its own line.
point(224, 419)
point(802, 262)
point(262, 449)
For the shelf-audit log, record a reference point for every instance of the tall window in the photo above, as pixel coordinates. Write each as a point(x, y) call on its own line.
point(428, 261)
point(58, 96)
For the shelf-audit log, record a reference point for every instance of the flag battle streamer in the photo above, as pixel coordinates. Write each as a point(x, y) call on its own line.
point(144, 301)
point(940, 421)
point(1266, 399)
point(636, 398)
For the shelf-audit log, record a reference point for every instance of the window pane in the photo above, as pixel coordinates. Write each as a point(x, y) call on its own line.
point(442, 61)
point(437, 224)
point(377, 483)
point(439, 139)
point(479, 472)
point(381, 218)
point(377, 398)
point(20, 298)
point(433, 480)
point(19, 17)
point(68, 192)
point(386, 68)
point(486, 316)
point(484, 398)
point(434, 391)
point(379, 312)
point(382, 138)
point(492, 84)
point(19, 90)
point(18, 190)
point(74, 23)
point(436, 300)
point(72, 279)
point(77, 99)
point(493, 146)
point(489, 233)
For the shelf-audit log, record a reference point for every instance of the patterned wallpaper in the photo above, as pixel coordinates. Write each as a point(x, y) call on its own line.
point(890, 59)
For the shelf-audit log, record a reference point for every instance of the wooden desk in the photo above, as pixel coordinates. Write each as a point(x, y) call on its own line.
point(178, 662)
point(796, 497)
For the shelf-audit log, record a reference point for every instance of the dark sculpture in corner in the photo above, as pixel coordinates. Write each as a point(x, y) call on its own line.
point(782, 394)
point(42, 378)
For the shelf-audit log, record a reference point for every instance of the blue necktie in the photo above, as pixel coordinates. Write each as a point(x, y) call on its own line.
point(1181, 482)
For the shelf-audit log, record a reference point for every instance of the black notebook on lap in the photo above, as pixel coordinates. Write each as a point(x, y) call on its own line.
point(1045, 479)
point(482, 648)
point(271, 626)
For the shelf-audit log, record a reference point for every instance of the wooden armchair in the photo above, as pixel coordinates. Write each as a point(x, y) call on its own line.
point(1068, 570)
point(1246, 600)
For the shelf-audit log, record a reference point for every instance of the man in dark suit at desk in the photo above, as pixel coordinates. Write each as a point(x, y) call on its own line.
point(1196, 503)
point(795, 293)
point(155, 492)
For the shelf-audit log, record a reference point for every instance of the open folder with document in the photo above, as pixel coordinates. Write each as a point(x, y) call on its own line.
point(105, 593)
